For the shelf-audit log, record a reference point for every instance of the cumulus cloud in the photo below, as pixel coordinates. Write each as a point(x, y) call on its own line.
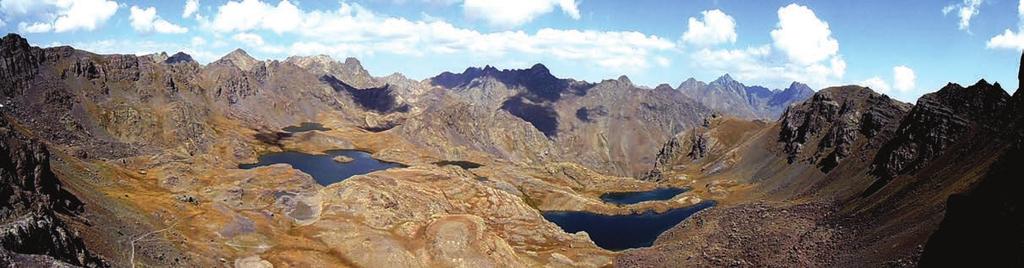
point(715, 28)
point(255, 14)
point(903, 78)
point(802, 36)
point(352, 30)
point(60, 15)
point(877, 84)
point(802, 49)
point(191, 6)
point(965, 11)
point(145, 20)
point(198, 41)
point(249, 38)
point(1009, 39)
point(505, 13)
point(38, 27)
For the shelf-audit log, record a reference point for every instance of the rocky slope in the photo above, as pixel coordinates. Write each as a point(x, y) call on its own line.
point(612, 126)
point(151, 146)
point(35, 207)
point(731, 97)
point(129, 160)
point(849, 177)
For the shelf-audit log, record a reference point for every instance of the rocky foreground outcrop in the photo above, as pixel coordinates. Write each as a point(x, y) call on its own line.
point(34, 207)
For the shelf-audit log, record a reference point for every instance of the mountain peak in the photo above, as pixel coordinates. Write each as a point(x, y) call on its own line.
point(179, 57)
point(13, 41)
point(726, 78)
point(663, 87)
point(625, 79)
point(350, 61)
point(540, 68)
point(240, 59)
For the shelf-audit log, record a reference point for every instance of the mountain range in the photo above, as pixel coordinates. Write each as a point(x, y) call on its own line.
point(125, 160)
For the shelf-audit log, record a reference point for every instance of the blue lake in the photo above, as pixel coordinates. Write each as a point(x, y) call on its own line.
point(323, 168)
point(626, 198)
point(623, 231)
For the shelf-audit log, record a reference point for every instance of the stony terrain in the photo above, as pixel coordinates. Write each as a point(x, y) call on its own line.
point(848, 178)
point(124, 160)
point(149, 145)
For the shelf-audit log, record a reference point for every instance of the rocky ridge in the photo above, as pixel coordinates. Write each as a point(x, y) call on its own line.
point(730, 97)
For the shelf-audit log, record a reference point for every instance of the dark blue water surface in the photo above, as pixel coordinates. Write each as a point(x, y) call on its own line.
point(323, 168)
point(626, 198)
point(623, 231)
point(307, 126)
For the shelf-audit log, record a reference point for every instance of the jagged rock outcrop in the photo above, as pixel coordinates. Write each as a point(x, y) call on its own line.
point(179, 57)
point(938, 121)
point(380, 99)
point(32, 199)
point(731, 97)
point(19, 64)
point(836, 121)
point(983, 226)
point(350, 71)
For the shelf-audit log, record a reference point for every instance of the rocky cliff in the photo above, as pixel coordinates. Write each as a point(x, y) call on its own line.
point(35, 206)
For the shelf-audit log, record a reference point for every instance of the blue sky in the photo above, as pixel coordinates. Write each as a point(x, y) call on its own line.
point(903, 48)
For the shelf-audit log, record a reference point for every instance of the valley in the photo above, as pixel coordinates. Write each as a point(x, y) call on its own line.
point(158, 160)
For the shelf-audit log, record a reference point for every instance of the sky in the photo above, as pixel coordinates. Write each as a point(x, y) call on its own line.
point(901, 48)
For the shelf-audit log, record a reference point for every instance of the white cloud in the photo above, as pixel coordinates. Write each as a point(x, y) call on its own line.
point(84, 15)
point(38, 27)
point(877, 84)
point(2, 23)
point(662, 61)
point(1007, 40)
point(504, 13)
point(255, 14)
point(61, 15)
point(802, 36)
point(903, 78)
point(1020, 9)
point(809, 54)
point(191, 6)
point(249, 38)
point(715, 28)
point(146, 21)
point(965, 11)
point(198, 41)
point(352, 30)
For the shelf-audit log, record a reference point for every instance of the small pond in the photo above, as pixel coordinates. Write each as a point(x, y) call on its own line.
point(306, 126)
point(626, 198)
point(623, 231)
point(334, 166)
point(459, 163)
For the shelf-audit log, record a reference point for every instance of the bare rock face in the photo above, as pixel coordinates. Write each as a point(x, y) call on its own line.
point(32, 200)
point(982, 226)
point(938, 121)
point(18, 65)
point(826, 128)
point(350, 71)
point(731, 97)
